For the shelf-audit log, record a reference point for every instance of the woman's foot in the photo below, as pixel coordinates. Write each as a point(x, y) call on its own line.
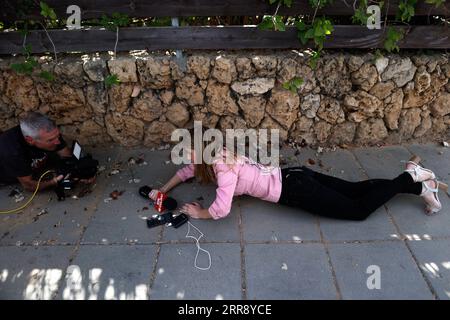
point(430, 189)
point(418, 173)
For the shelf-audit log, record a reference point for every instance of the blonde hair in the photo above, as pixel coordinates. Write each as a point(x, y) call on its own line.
point(206, 173)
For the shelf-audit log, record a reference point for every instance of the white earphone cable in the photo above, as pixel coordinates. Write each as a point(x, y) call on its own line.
point(198, 246)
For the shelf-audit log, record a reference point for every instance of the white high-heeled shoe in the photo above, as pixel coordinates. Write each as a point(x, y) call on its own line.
point(418, 173)
point(435, 206)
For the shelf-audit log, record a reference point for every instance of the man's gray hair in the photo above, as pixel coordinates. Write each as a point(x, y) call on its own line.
point(33, 122)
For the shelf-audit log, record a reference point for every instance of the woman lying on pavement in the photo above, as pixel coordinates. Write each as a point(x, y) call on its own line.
point(301, 187)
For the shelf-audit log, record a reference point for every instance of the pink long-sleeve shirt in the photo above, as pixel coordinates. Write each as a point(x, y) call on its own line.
point(241, 178)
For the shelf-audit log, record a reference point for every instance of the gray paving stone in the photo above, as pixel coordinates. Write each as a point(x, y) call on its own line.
point(102, 273)
point(123, 220)
point(408, 212)
point(288, 157)
point(63, 222)
point(434, 260)
point(288, 271)
point(383, 162)
point(341, 164)
point(265, 221)
point(32, 273)
point(156, 169)
point(225, 229)
point(305, 154)
point(400, 276)
point(126, 269)
point(10, 220)
point(177, 277)
point(377, 226)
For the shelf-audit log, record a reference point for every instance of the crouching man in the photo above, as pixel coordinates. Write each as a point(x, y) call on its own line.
point(31, 148)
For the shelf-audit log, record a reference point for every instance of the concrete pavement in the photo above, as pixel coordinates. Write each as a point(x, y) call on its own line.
point(96, 248)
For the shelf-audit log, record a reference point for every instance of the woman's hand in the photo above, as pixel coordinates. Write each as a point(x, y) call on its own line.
point(195, 210)
point(153, 194)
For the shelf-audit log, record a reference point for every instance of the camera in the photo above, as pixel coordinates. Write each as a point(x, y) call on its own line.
point(74, 168)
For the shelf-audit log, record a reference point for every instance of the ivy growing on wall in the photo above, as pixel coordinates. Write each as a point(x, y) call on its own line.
point(312, 30)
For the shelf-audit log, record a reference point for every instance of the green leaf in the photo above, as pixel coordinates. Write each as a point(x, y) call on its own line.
point(278, 23)
point(406, 10)
point(47, 76)
point(301, 36)
point(301, 26)
point(319, 3)
point(437, 3)
point(314, 59)
point(293, 85)
point(17, 67)
point(33, 62)
point(120, 20)
point(297, 82)
point(47, 12)
point(24, 67)
point(266, 23)
point(328, 27)
point(309, 34)
point(115, 21)
point(287, 3)
point(392, 38)
point(318, 31)
point(111, 80)
point(27, 49)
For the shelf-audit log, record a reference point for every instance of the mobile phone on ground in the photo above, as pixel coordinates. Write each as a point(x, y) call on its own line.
point(179, 220)
point(159, 219)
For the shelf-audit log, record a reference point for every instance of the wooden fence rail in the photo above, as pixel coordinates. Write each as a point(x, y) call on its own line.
point(230, 37)
point(185, 8)
point(92, 39)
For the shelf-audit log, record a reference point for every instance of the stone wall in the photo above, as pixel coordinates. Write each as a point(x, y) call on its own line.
point(349, 99)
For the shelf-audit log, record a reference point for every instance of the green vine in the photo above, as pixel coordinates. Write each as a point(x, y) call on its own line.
point(47, 12)
point(319, 4)
point(113, 23)
point(392, 38)
point(437, 3)
point(317, 31)
point(310, 29)
point(275, 22)
point(406, 10)
point(27, 67)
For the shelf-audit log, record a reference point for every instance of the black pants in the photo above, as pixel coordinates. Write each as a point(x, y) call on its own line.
point(336, 198)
